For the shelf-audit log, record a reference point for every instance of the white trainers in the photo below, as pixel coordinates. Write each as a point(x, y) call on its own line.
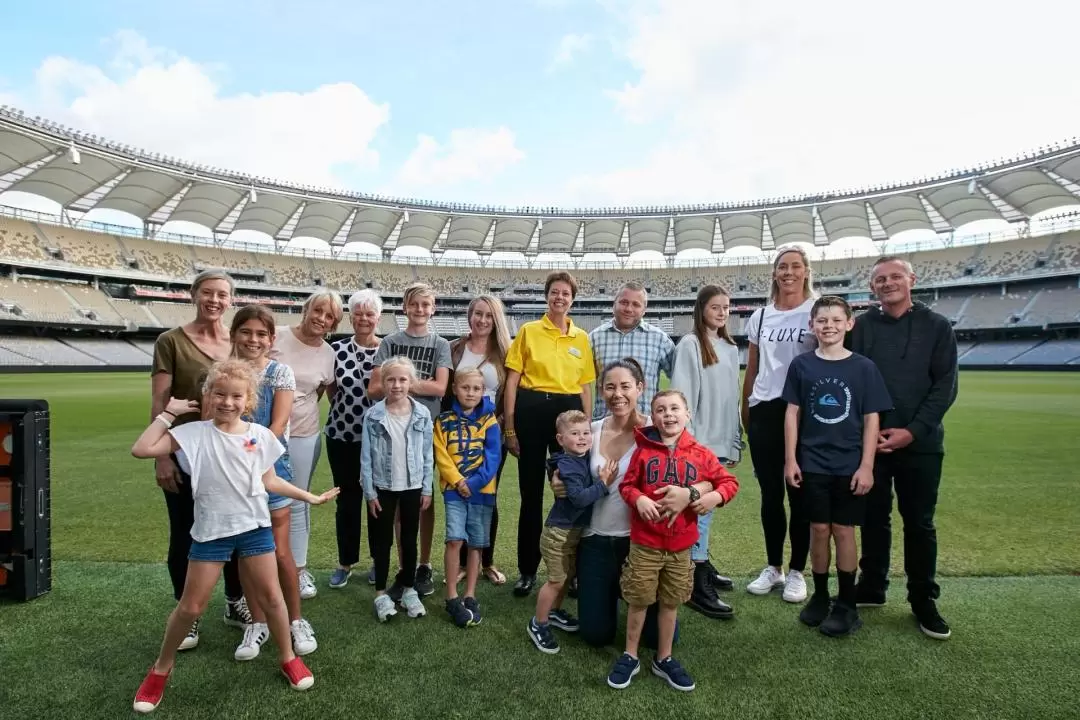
point(384, 608)
point(255, 635)
point(769, 578)
point(191, 640)
point(307, 585)
point(794, 587)
point(410, 600)
point(303, 637)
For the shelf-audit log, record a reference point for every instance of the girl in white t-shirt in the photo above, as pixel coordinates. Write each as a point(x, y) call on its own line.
point(778, 333)
point(232, 467)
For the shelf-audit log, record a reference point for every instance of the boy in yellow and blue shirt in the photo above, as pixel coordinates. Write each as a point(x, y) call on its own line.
point(468, 450)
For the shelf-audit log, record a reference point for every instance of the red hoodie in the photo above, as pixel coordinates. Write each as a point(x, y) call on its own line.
point(654, 466)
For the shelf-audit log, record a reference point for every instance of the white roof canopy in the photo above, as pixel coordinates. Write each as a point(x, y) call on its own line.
point(35, 158)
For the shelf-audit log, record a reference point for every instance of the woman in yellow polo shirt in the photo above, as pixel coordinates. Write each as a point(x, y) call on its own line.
point(549, 367)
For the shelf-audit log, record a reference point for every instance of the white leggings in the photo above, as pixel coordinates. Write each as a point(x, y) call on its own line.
point(304, 453)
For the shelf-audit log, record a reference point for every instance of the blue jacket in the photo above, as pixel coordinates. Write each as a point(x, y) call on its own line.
point(574, 510)
point(375, 450)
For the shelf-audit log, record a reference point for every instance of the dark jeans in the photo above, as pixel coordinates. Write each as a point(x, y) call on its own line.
point(766, 436)
point(487, 555)
point(534, 423)
point(916, 478)
point(599, 561)
point(344, 458)
point(407, 504)
point(181, 509)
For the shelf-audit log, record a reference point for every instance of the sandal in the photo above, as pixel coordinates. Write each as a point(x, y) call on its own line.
point(494, 576)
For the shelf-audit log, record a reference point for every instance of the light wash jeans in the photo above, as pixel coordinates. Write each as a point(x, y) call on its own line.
point(700, 551)
point(304, 453)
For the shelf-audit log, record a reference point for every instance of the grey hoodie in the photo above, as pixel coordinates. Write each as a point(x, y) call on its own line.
point(712, 394)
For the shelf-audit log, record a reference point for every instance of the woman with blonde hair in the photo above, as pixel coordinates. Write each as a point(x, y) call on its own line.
point(484, 347)
point(303, 347)
point(778, 333)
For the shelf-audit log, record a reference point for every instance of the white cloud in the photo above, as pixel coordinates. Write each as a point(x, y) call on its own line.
point(570, 46)
point(155, 99)
point(765, 99)
point(470, 154)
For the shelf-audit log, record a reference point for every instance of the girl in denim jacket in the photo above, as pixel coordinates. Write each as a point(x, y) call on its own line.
point(396, 468)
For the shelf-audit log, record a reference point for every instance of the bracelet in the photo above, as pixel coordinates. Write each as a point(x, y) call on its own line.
point(166, 412)
point(164, 420)
point(510, 433)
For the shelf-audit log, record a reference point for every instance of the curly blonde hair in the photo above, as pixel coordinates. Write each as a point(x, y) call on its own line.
point(234, 370)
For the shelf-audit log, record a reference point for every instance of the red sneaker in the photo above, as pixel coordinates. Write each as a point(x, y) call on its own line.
point(298, 675)
point(150, 691)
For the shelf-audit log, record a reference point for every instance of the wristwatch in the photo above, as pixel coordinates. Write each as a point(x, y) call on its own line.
point(694, 494)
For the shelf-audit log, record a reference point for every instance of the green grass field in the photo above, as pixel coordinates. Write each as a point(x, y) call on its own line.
point(1009, 559)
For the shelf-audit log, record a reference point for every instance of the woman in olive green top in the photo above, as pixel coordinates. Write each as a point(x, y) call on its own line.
point(182, 357)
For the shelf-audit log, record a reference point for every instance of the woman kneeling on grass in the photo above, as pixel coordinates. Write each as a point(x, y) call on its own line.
point(232, 467)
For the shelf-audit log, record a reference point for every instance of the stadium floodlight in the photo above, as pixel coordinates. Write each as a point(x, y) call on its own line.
point(253, 197)
point(540, 223)
point(972, 187)
point(73, 153)
point(406, 215)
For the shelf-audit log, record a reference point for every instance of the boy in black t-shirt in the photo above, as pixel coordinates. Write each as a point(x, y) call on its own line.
point(830, 438)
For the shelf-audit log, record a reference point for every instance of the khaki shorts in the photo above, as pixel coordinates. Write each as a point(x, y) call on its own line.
point(650, 575)
point(558, 547)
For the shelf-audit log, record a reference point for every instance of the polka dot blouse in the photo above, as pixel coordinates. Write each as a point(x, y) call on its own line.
point(352, 373)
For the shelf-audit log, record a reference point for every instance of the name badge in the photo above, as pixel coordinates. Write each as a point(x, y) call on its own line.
point(575, 352)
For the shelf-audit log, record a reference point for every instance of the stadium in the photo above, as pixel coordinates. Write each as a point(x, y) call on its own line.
point(81, 303)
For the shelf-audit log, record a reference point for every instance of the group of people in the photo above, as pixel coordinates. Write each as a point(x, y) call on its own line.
point(837, 412)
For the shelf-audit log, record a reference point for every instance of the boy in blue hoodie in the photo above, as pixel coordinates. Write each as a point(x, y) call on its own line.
point(468, 450)
point(562, 531)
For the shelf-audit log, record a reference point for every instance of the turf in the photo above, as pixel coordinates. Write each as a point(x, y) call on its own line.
point(1008, 558)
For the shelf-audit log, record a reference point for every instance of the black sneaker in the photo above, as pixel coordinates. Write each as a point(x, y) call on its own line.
point(676, 676)
point(626, 667)
point(930, 622)
point(563, 620)
point(474, 607)
point(524, 585)
point(460, 614)
point(395, 592)
point(423, 582)
point(720, 582)
point(237, 613)
point(542, 637)
point(703, 597)
point(842, 620)
point(867, 597)
point(815, 611)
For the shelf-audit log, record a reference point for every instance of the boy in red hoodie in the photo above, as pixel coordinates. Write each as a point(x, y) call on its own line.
point(658, 566)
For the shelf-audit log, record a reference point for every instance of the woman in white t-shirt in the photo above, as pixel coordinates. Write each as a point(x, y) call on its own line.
point(484, 347)
point(778, 333)
point(304, 348)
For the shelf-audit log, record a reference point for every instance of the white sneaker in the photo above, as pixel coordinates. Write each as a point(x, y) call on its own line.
point(303, 637)
point(307, 585)
point(794, 587)
point(255, 635)
point(191, 640)
point(410, 600)
point(384, 608)
point(769, 578)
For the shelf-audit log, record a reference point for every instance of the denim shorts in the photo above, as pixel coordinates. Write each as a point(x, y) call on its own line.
point(469, 522)
point(247, 544)
point(283, 469)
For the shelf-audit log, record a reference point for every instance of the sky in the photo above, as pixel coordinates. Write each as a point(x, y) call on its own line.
point(555, 102)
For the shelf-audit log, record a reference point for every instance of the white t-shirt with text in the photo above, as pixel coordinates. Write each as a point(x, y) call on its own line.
point(781, 336)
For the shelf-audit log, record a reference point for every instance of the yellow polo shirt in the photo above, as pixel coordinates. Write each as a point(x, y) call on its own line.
point(550, 361)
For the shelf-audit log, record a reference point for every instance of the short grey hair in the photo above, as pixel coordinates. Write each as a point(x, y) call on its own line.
point(366, 298)
point(634, 286)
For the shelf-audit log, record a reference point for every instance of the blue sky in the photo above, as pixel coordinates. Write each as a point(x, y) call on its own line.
point(570, 102)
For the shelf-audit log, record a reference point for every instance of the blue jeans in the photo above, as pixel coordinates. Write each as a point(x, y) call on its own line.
point(700, 551)
point(470, 522)
point(247, 544)
point(600, 560)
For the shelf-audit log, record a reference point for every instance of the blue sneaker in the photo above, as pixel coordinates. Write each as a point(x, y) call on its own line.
point(626, 667)
point(670, 670)
point(563, 620)
point(340, 578)
point(460, 614)
point(474, 607)
point(542, 637)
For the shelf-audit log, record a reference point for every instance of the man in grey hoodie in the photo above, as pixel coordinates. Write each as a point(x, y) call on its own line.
point(915, 350)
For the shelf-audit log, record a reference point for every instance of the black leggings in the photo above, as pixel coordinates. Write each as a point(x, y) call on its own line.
point(487, 555)
point(534, 422)
point(766, 436)
point(344, 458)
point(181, 509)
point(407, 503)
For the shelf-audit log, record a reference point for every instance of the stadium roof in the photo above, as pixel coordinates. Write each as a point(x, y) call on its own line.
point(84, 172)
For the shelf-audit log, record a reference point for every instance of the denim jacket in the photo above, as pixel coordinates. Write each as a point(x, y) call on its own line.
point(375, 450)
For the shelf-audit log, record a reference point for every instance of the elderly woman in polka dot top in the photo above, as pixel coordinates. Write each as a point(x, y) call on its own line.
point(352, 373)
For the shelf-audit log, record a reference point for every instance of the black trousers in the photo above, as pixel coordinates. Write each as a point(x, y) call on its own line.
point(916, 478)
point(181, 508)
point(407, 503)
point(534, 423)
point(344, 458)
point(487, 555)
point(766, 436)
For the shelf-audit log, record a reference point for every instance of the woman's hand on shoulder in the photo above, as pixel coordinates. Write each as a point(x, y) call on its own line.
point(558, 487)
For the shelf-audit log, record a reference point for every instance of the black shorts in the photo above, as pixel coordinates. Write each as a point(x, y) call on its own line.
point(829, 499)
